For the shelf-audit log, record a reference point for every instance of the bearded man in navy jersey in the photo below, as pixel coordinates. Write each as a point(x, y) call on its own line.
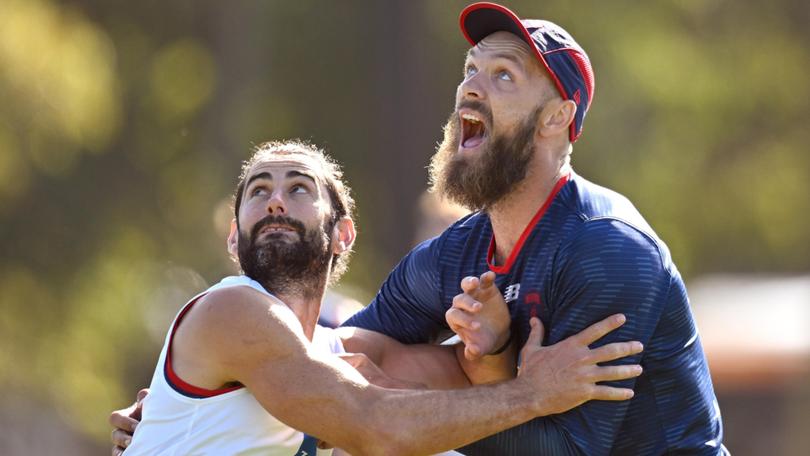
point(550, 245)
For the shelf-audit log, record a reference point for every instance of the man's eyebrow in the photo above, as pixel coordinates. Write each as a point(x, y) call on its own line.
point(301, 174)
point(264, 175)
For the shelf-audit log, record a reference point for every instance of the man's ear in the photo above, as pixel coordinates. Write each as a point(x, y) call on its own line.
point(343, 235)
point(556, 117)
point(233, 240)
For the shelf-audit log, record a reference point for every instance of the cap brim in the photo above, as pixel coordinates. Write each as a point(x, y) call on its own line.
point(480, 20)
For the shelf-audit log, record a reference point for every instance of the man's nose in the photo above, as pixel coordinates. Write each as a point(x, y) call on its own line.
point(276, 204)
point(472, 88)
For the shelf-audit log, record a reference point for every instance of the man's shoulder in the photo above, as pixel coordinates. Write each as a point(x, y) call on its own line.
point(236, 327)
point(222, 313)
point(606, 214)
point(608, 226)
point(234, 296)
point(592, 201)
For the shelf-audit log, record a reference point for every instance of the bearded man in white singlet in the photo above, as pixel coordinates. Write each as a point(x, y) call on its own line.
point(245, 369)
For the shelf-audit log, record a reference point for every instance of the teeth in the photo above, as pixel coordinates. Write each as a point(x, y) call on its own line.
point(471, 118)
point(276, 228)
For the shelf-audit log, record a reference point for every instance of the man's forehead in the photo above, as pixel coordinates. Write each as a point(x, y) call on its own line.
point(281, 164)
point(502, 42)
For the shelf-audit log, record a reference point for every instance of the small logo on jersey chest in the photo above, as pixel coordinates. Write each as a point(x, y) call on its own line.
point(512, 292)
point(535, 304)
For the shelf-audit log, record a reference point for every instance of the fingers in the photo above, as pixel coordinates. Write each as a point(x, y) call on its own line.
point(598, 330)
point(609, 393)
point(611, 373)
point(459, 320)
point(121, 439)
point(466, 302)
point(487, 280)
point(469, 284)
point(472, 285)
point(536, 334)
point(615, 351)
point(142, 395)
point(117, 451)
point(120, 419)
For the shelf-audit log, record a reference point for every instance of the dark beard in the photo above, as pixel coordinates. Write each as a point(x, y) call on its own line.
point(284, 267)
point(477, 183)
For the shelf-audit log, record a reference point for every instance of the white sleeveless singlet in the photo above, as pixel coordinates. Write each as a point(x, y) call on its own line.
point(181, 419)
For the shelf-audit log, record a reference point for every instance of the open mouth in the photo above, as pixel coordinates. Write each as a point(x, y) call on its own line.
point(276, 228)
point(473, 130)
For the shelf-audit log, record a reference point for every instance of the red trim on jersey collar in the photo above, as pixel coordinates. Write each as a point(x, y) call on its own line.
point(526, 231)
point(174, 380)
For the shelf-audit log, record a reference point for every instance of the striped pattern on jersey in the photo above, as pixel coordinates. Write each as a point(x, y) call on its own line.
point(587, 254)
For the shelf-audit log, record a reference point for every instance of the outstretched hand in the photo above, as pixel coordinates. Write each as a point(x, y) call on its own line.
point(480, 316)
point(566, 374)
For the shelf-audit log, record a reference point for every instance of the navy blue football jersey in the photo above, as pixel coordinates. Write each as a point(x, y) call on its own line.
point(587, 254)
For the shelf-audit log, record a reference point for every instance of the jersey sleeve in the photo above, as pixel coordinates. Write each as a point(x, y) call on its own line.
point(538, 436)
point(606, 267)
point(408, 306)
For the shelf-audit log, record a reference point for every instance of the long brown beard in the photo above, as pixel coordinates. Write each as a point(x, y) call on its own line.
point(478, 183)
point(286, 268)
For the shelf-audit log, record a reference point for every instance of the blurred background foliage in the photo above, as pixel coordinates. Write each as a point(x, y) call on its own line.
point(123, 125)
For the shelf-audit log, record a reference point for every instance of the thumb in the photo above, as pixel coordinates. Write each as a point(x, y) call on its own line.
point(487, 279)
point(537, 333)
point(142, 395)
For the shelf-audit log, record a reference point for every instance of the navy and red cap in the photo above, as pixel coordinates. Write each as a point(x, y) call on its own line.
point(555, 48)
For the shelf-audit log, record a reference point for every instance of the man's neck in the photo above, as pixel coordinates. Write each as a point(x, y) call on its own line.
point(512, 214)
point(304, 299)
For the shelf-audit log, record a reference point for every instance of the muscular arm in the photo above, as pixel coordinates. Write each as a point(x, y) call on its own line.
point(247, 337)
point(262, 346)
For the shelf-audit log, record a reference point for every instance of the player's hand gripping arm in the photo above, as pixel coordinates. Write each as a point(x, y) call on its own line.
point(124, 422)
point(481, 319)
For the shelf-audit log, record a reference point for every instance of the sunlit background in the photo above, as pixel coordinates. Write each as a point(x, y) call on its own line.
point(123, 124)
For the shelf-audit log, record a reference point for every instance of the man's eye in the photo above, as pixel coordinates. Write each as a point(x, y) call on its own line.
point(298, 188)
point(470, 70)
point(258, 191)
point(504, 76)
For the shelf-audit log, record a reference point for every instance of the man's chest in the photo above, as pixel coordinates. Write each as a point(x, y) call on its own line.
point(527, 285)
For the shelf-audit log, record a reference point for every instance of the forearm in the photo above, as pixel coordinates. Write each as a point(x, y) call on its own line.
point(365, 419)
point(434, 366)
point(489, 369)
point(446, 420)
